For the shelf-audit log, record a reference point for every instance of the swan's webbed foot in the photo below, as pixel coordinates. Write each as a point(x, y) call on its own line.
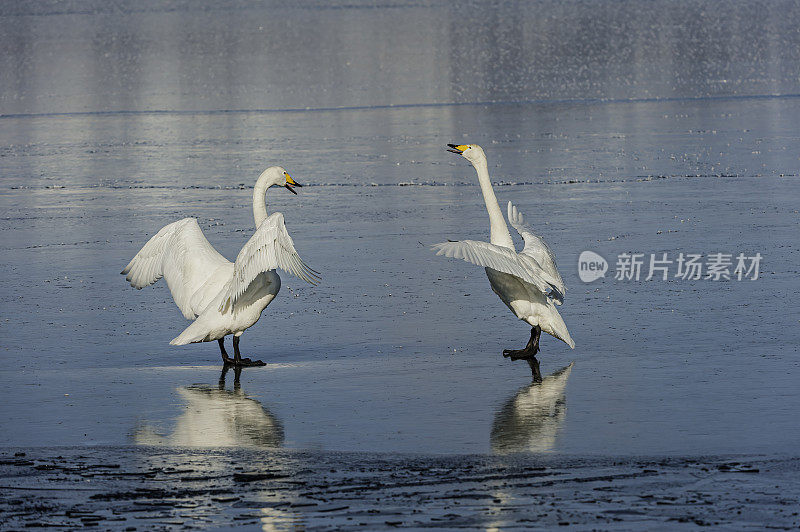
point(242, 362)
point(530, 350)
point(529, 353)
point(246, 363)
point(519, 354)
point(237, 361)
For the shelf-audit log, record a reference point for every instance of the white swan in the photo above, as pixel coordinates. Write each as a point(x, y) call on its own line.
point(222, 297)
point(528, 282)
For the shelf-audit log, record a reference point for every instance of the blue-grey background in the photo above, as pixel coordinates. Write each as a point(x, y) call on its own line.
point(615, 126)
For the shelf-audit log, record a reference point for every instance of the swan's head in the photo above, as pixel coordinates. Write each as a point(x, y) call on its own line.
point(471, 152)
point(275, 176)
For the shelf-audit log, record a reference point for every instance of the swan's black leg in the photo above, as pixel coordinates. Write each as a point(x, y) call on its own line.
point(535, 346)
point(226, 361)
point(530, 350)
point(237, 357)
point(243, 362)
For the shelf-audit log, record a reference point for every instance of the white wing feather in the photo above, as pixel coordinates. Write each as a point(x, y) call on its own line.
point(180, 253)
point(269, 248)
point(537, 248)
point(498, 258)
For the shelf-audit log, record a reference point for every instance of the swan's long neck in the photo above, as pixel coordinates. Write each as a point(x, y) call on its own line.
point(260, 200)
point(498, 230)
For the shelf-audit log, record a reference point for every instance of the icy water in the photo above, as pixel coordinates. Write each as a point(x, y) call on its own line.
point(614, 126)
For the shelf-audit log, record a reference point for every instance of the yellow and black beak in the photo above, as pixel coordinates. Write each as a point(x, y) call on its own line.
point(290, 183)
point(459, 149)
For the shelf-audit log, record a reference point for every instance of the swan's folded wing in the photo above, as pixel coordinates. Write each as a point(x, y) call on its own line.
point(538, 249)
point(269, 248)
point(181, 254)
point(498, 258)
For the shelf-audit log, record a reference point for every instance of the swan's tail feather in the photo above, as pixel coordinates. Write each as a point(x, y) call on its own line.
point(196, 332)
point(184, 338)
point(557, 328)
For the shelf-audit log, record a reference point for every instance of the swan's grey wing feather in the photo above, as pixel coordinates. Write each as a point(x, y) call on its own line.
point(537, 248)
point(269, 248)
point(181, 254)
point(498, 258)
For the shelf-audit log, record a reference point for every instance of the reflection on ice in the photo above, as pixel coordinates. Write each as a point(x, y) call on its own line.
point(530, 420)
point(214, 416)
point(280, 519)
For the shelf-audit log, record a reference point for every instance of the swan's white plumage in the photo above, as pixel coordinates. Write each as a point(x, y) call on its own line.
point(269, 248)
point(181, 254)
point(221, 296)
point(498, 258)
point(537, 248)
point(528, 282)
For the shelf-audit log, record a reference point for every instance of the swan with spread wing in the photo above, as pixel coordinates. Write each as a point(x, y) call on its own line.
point(528, 281)
point(222, 297)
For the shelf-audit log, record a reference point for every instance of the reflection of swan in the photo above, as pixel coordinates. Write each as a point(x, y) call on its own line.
point(222, 297)
point(217, 417)
point(531, 419)
point(528, 282)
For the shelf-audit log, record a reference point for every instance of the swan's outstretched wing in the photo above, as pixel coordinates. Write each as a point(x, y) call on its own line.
point(498, 258)
point(269, 248)
point(180, 254)
point(537, 248)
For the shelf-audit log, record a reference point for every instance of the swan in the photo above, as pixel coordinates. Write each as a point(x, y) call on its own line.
point(220, 296)
point(528, 282)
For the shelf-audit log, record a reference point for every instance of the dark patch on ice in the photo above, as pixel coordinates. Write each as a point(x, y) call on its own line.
point(142, 487)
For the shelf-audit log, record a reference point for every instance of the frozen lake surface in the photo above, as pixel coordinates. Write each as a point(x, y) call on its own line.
point(219, 489)
point(614, 127)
